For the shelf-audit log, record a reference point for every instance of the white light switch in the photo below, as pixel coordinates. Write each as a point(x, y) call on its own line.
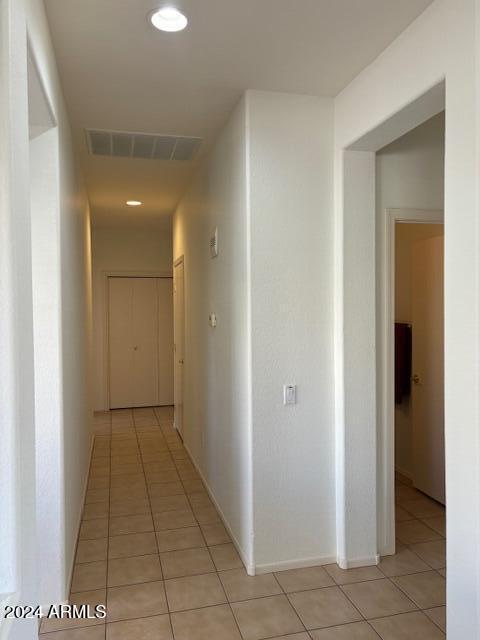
point(289, 394)
point(212, 321)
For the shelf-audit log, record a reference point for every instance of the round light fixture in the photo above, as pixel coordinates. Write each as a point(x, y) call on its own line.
point(168, 19)
point(133, 203)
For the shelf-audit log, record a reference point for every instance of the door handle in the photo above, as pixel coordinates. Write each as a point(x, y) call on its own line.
point(180, 362)
point(416, 378)
point(135, 348)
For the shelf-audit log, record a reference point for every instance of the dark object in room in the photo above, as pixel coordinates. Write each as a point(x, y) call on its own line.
point(403, 360)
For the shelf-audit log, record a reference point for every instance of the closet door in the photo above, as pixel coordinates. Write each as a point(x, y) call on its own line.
point(165, 341)
point(133, 342)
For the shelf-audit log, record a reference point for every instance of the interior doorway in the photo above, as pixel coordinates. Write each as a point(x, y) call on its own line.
point(419, 380)
point(140, 340)
point(179, 322)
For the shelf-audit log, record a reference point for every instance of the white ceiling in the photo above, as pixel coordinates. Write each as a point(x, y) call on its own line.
point(119, 73)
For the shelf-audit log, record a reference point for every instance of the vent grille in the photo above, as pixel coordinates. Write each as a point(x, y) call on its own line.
point(120, 144)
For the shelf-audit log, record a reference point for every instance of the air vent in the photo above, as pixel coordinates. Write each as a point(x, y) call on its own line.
point(121, 144)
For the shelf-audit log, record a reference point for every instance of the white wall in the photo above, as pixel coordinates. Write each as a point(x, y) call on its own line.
point(267, 186)
point(290, 186)
point(217, 418)
point(441, 43)
point(409, 175)
point(71, 236)
point(128, 250)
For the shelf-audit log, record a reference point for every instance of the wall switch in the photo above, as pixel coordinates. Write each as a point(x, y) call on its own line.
point(289, 394)
point(212, 321)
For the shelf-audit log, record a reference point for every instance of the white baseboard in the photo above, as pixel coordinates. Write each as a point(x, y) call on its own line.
point(79, 521)
point(249, 566)
point(297, 563)
point(356, 563)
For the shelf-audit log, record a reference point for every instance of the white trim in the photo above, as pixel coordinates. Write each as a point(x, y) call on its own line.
point(105, 351)
point(243, 556)
point(386, 460)
point(296, 563)
point(343, 563)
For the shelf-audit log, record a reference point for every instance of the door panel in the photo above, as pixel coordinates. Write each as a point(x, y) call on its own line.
point(145, 342)
point(120, 331)
point(428, 367)
point(179, 307)
point(165, 341)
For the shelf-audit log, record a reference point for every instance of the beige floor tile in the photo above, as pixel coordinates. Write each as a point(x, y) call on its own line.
point(409, 626)
point(188, 562)
point(92, 550)
point(425, 589)
point(205, 624)
point(438, 615)
point(95, 510)
point(162, 489)
point(154, 628)
point(129, 507)
point(98, 483)
point(304, 579)
point(140, 523)
point(124, 571)
point(194, 592)
point(324, 607)
point(136, 601)
point(240, 586)
point(133, 544)
point(266, 617)
point(174, 519)
point(433, 553)
point(90, 633)
point(97, 495)
point(169, 503)
point(225, 557)
point(129, 493)
point(349, 576)
point(423, 507)
point(402, 563)
point(163, 471)
point(355, 631)
point(193, 485)
point(122, 482)
point(89, 576)
point(401, 514)
point(200, 499)
point(215, 533)
point(378, 598)
point(414, 531)
point(91, 529)
point(405, 493)
point(292, 636)
point(185, 538)
point(91, 598)
point(206, 515)
point(443, 572)
point(126, 468)
point(437, 523)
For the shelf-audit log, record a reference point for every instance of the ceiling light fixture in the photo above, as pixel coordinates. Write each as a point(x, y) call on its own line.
point(168, 19)
point(133, 203)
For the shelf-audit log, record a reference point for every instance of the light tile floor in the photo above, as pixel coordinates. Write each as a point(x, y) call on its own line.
point(153, 548)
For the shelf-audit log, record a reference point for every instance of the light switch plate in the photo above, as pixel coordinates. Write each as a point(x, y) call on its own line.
point(289, 394)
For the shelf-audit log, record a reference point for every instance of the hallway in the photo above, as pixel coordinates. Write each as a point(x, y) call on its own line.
point(153, 548)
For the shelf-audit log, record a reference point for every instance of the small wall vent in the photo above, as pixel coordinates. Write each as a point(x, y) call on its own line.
point(122, 144)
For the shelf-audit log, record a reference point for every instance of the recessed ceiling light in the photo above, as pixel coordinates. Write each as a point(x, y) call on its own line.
point(133, 203)
point(168, 19)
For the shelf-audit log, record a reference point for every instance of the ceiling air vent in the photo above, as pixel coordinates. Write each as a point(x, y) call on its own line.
point(122, 144)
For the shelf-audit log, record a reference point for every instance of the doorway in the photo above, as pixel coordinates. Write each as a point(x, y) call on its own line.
point(179, 322)
point(419, 387)
point(140, 340)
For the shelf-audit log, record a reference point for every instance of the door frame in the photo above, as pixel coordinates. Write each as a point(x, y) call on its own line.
point(386, 503)
point(176, 263)
point(106, 337)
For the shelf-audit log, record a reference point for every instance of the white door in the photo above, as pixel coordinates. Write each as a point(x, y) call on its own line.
point(427, 366)
point(133, 342)
point(179, 310)
point(165, 341)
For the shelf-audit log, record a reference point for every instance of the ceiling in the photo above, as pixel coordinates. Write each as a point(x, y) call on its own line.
point(118, 73)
